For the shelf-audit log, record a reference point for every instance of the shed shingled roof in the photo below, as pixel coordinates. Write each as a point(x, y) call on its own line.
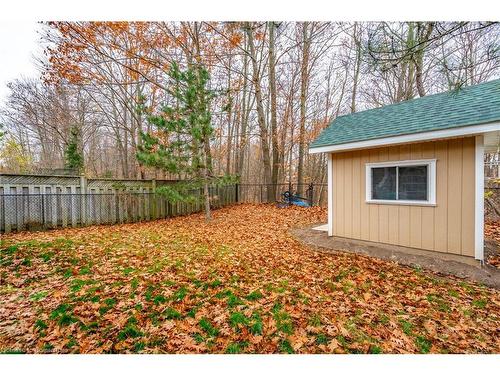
point(471, 105)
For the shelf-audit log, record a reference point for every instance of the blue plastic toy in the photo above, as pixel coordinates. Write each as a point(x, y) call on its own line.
point(293, 199)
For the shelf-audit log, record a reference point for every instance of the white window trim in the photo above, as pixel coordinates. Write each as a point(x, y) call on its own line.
point(431, 182)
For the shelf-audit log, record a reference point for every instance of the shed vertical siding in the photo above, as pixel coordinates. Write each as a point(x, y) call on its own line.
point(447, 227)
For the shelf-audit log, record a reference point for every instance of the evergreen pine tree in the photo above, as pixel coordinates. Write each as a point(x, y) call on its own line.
point(180, 134)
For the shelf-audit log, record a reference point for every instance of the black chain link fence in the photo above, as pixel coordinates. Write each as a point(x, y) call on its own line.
point(314, 194)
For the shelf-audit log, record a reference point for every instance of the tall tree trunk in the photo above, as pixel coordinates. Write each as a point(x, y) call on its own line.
point(424, 33)
point(244, 117)
point(264, 137)
point(306, 43)
point(206, 191)
point(229, 119)
point(410, 43)
point(274, 125)
point(357, 66)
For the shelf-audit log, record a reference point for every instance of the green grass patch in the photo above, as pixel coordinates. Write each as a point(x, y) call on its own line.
point(315, 320)
point(139, 347)
point(26, 262)
point(439, 302)
point(374, 349)
point(66, 320)
point(254, 296)
point(238, 319)
point(341, 275)
point(192, 313)
point(47, 347)
point(10, 250)
point(61, 242)
point(40, 325)
point(46, 257)
point(180, 294)
point(130, 330)
point(283, 322)
point(479, 303)
point(134, 283)
point(85, 270)
point(198, 337)
point(285, 347)
point(159, 299)
point(236, 347)
point(128, 270)
point(417, 268)
point(209, 329)
point(223, 294)
point(71, 343)
point(342, 340)
point(321, 339)
point(62, 315)
point(90, 327)
point(467, 287)
point(255, 326)
point(406, 326)
point(77, 285)
point(233, 301)
point(276, 307)
point(154, 317)
point(214, 284)
point(109, 303)
point(423, 345)
point(171, 313)
point(67, 273)
point(39, 296)
point(148, 295)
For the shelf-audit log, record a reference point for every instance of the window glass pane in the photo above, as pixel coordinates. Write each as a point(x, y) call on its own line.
point(384, 183)
point(413, 183)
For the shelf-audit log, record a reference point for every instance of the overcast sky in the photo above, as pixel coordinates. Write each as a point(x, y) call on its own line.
point(18, 46)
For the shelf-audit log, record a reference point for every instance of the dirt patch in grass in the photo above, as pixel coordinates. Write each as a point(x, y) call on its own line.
point(239, 284)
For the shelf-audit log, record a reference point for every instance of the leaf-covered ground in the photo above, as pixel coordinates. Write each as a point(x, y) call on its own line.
point(492, 231)
point(238, 284)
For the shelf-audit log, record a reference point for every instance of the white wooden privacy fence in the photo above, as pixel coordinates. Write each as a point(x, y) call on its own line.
point(44, 202)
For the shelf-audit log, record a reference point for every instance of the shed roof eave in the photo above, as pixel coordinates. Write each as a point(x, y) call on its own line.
point(410, 138)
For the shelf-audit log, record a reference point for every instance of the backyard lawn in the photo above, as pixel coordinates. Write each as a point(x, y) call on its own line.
point(238, 284)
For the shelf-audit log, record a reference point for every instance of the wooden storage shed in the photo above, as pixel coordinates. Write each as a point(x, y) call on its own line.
point(411, 174)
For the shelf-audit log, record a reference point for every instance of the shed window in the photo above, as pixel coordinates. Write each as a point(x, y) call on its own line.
point(404, 182)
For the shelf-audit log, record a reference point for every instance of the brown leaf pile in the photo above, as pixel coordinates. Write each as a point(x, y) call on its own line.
point(238, 284)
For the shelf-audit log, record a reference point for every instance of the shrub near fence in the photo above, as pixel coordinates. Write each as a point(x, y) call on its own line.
point(46, 211)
